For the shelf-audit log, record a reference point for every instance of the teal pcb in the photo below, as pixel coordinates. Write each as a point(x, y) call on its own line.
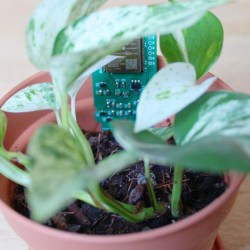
point(118, 85)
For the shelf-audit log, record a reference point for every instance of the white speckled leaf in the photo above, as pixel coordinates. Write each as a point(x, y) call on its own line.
point(217, 113)
point(39, 96)
point(80, 81)
point(215, 153)
point(56, 161)
point(89, 39)
point(47, 20)
point(168, 92)
point(59, 170)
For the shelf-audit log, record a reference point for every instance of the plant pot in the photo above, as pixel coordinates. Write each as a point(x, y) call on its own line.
point(198, 231)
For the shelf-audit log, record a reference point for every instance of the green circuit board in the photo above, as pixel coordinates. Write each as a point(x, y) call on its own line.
point(118, 85)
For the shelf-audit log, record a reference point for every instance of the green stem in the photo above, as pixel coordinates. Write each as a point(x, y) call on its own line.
point(87, 151)
point(86, 197)
point(65, 112)
point(14, 173)
point(105, 201)
point(24, 160)
point(19, 157)
point(127, 211)
point(157, 207)
point(176, 193)
point(58, 118)
point(73, 106)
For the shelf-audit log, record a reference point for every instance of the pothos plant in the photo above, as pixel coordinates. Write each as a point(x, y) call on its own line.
point(71, 39)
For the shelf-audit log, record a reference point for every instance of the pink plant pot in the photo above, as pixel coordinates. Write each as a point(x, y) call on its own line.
point(198, 231)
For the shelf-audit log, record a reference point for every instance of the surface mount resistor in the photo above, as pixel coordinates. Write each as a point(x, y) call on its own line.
point(125, 94)
point(117, 92)
point(117, 85)
point(123, 85)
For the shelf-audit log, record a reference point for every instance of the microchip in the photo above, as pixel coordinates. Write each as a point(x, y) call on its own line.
point(131, 61)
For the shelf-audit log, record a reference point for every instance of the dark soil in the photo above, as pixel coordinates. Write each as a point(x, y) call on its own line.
point(129, 186)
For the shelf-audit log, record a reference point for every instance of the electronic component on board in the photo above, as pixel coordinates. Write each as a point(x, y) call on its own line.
point(118, 85)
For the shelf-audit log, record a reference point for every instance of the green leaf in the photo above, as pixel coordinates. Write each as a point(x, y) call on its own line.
point(169, 91)
point(12, 172)
point(215, 113)
point(212, 154)
point(3, 127)
point(47, 20)
point(201, 44)
point(91, 38)
point(38, 96)
point(59, 171)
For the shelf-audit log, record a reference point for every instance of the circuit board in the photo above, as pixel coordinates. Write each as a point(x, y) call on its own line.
point(118, 85)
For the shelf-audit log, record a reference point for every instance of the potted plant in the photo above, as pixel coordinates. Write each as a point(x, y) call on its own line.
point(59, 165)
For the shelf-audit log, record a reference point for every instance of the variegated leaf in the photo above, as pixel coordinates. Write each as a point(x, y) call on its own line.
point(56, 158)
point(218, 113)
point(199, 44)
point(59, 170)
point(168, 92)
point(164, 133)
point(38, 96)
point(47, 20)
point(91, 38)
point(215, 153)
point(80, 81)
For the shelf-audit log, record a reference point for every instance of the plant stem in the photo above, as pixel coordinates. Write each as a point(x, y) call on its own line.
point(73, 106)
point(98, 197)
point(127, 211)
point(14, 173)
point(157, 207)
point(176, 192)
point(65, 112)
point(87, 151)
point(17, 156)
point(86, 197)
point(58, 118)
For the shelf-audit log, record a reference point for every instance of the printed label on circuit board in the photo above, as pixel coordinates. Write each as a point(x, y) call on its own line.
point(118, 85)
point(131, 60)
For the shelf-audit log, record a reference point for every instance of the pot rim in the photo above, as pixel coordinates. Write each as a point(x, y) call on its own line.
point(154, 233)
point(235, 180)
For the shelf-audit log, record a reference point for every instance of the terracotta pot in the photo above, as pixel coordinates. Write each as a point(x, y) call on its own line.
point(195, 232)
